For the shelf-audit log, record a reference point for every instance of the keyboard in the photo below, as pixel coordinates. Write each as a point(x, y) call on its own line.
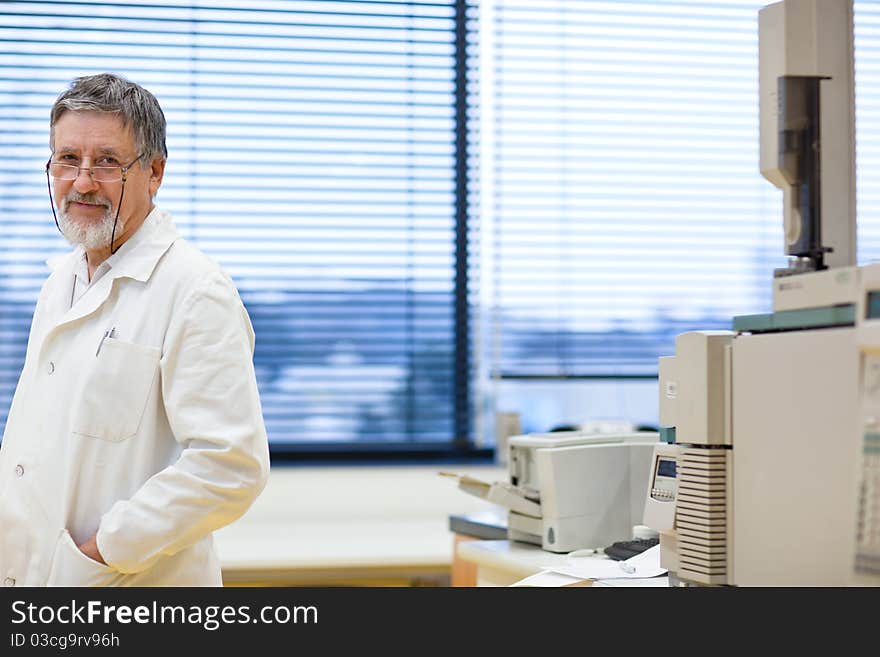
point(622, 550)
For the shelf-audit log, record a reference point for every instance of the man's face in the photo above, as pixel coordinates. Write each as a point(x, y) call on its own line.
point(87, 208)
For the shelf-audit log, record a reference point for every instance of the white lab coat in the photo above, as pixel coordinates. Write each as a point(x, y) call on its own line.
point(154, 437)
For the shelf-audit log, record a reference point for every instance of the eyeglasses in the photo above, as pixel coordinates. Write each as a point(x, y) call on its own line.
point(60, 171)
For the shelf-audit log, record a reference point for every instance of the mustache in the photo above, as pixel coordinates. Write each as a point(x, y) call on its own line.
point(93, 199)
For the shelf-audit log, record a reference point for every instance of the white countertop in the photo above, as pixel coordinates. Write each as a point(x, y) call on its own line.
point(518, 559)
point(503, 563)
point(349, 518)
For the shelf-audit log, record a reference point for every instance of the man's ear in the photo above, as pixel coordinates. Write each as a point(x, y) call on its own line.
point(157, 170)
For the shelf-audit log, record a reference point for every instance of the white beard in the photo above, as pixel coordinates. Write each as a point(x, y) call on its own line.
point(91, 236)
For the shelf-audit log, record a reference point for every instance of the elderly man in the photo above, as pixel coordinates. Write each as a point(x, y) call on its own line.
point(136, 428)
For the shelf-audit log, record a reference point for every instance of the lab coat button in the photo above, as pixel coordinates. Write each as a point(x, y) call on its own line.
point(9, 581)
point(50, 367)
point(19, 470)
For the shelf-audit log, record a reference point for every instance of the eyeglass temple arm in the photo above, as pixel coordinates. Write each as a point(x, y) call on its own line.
point(51, 200)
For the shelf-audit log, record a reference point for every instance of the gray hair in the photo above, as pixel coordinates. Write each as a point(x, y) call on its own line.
point(136, 106)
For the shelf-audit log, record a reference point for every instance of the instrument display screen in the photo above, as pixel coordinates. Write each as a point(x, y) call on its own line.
point(666, 468)
point(872, 305)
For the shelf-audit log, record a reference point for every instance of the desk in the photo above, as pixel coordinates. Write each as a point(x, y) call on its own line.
point(484, 525)
point(502, 563)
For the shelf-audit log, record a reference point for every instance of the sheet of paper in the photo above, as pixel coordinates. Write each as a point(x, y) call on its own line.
point(468, 484)
point(501, 493)
point(646, 564)
point(547, 578)
point(659, 582)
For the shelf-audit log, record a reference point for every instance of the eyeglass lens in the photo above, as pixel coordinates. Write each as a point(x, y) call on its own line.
point(69, 172)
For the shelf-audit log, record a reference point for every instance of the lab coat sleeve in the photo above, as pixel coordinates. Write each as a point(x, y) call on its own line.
point(213, 407)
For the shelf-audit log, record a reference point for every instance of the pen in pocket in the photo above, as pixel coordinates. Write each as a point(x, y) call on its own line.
point(107, 334)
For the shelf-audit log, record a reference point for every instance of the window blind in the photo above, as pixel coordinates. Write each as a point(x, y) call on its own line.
point(313, 152)
point(627, 200)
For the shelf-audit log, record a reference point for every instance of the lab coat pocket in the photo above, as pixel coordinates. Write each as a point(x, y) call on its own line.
point(70, 567)
point(116, 391)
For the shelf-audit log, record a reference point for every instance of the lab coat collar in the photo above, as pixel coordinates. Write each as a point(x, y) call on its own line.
point(136, 259)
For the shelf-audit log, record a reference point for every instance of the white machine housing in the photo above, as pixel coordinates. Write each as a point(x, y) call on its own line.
point(868, 341)
point(588, 490)
point(785, 480)
point(662, 490)
point(660, 501)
